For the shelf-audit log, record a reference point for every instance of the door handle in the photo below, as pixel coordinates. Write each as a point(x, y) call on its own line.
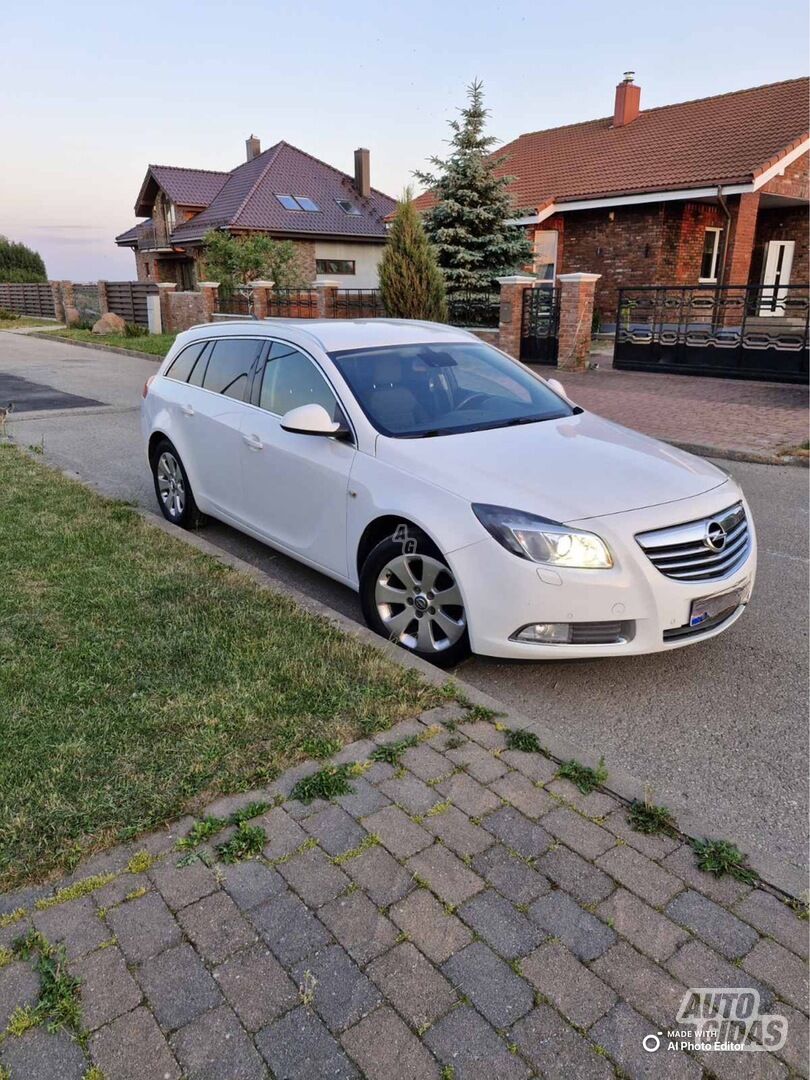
point(253, 441)
point(188, 410)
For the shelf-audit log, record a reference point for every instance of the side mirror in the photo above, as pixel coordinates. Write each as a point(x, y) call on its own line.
point(557, 387)
point(311, 420)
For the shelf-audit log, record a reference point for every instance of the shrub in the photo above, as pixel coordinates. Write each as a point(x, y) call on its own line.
point(19, 263)
point(411, 283)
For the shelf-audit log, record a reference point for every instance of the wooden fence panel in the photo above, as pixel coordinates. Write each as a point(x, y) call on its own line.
point(128, 299)
point(34, 299)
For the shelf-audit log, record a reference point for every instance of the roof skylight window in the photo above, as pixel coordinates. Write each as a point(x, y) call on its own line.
point(298, 202)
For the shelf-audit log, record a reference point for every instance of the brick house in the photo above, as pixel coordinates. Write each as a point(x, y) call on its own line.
point(707, 191)
point(337, 221)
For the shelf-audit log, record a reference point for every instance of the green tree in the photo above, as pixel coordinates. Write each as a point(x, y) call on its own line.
point(238, 260)
point(411, 282)
point(467, 225)
point(19, 263)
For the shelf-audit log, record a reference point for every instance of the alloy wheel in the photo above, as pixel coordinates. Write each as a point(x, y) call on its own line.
point(420, 603)
point(171, 486)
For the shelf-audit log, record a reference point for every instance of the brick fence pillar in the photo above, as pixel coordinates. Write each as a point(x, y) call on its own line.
point(72, 313)
point(510, 319)
point(261, 298)
point(210, 292)
point(164, 288)
point(576, 320)
point(103, 302)
point(58, 302)
point(325, 295)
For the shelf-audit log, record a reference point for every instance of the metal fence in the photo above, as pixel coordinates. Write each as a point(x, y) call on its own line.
point(292, 304)
point(34, 299)
point(356, 304)
point(539, 327)
point(128, 299)
point(730, 331)
point(477, 309)
point(240, 303)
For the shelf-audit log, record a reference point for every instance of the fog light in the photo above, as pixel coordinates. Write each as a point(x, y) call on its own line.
point(555, 633)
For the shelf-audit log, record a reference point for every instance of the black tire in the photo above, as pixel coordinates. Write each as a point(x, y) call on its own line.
point(177, 505)
point(443, 625)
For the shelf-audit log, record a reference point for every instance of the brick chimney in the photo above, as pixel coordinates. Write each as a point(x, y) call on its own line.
point(628, 100)
point(253, 147)
point(362, 173)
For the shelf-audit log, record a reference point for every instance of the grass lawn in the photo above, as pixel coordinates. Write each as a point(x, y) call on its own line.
point(25, 320)
point(156, 344)
point(138, 676)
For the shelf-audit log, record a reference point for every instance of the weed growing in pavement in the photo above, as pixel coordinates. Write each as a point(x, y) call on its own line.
point(719, 857)
point(326, 783)
point(209, 826)
point(521, 739)
point(801, 908)
point(246, 843)
point(59, 1005)
point(583, 777)
point(75, 891)
point(392, 752)
point(643, 817)
point(140, 862)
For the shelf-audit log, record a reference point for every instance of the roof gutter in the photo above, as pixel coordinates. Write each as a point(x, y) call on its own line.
point(681, 194)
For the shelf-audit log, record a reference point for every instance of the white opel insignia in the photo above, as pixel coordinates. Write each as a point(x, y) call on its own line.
point(469, 502)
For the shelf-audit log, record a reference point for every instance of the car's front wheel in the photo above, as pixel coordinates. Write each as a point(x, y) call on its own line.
point(172, 488)
point(410, 596)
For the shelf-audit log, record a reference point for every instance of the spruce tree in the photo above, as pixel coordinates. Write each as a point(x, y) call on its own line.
point(19, 263)
point(467, 226)
point(411, 283)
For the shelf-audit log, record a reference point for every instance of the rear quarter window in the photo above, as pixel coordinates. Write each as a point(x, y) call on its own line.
point(181, 367)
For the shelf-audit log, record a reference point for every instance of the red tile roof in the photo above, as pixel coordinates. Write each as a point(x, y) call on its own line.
point(247, 199)
point(728, 139)
point(188, 187)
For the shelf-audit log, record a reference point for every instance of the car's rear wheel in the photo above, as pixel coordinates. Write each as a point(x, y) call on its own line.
point(410, 596)
point(173, 491)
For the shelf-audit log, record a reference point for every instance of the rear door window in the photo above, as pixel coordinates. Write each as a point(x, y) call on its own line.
point(183, 363)
point(291, 379)
point(229, 366)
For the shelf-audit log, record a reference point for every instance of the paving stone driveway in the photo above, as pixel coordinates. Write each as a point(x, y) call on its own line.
point(462, 915)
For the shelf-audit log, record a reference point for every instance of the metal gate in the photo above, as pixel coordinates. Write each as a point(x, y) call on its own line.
point(539, 325)
point(729, 331)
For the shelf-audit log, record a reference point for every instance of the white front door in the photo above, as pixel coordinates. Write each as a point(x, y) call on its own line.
point(295, 487)
point(776, 275)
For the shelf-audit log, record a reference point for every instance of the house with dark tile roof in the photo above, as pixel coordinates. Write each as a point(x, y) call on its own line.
point(336, 220)
point(707, 191)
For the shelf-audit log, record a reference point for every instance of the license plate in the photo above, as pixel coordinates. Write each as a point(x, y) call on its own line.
point(709, 607)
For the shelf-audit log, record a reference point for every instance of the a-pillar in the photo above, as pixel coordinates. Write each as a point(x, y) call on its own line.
point(510, 319)
point(325, 297)
point(576, 320)
point(261, 298)
point(210, 294)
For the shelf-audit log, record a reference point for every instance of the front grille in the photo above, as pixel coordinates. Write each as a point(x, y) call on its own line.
point(684, 553)
point(602, 633)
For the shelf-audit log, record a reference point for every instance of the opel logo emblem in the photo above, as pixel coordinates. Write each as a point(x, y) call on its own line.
point(715, 536)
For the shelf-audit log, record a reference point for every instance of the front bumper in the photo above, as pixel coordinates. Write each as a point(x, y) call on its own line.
point(503, 592)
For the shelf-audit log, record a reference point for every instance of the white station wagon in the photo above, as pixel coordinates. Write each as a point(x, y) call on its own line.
point(471, 504)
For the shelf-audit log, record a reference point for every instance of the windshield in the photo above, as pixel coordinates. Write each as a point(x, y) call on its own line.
point(408, 391)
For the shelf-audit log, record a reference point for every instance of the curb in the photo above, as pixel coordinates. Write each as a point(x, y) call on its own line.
point(779, 874)
point(102, 348)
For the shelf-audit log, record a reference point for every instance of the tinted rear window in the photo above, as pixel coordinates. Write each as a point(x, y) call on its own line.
point(182, 364)
point(229, 366)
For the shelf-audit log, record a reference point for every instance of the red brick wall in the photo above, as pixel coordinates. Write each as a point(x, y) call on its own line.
point(648, 244)
point(794, 182)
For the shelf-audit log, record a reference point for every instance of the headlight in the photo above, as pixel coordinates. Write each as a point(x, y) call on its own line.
point(543, 541)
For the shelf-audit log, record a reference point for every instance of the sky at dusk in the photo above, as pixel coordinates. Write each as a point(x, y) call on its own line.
point(91, 93)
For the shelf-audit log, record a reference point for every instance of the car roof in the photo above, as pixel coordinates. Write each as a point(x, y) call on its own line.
point(335, 335)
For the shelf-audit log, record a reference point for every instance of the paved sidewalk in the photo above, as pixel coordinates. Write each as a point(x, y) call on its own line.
point(750, 418)
point(463, 913)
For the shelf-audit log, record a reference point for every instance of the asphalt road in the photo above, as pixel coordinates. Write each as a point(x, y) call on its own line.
point(720, 727)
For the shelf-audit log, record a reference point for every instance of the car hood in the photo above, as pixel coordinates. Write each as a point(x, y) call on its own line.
point(568, 469)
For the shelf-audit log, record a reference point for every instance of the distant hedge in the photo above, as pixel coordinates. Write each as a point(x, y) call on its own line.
point(19, 263)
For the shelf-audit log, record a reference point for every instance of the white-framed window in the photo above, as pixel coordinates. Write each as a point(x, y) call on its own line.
point(711, 254)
